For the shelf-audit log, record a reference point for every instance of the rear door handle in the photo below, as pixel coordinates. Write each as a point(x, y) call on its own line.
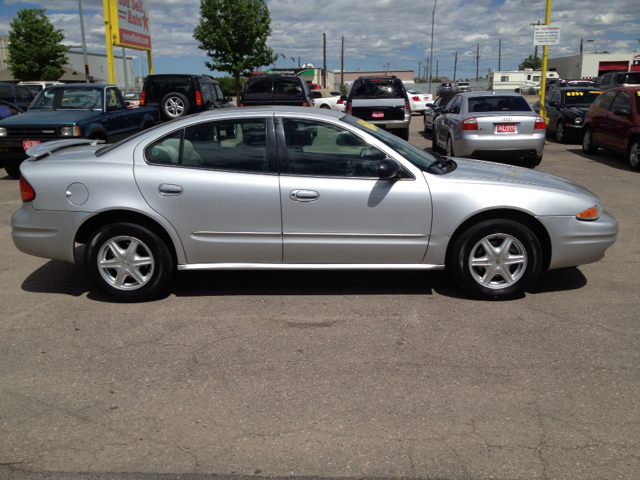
point(168, 190)
point(304, 195)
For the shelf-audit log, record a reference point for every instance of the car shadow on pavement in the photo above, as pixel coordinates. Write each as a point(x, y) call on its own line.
point(604, 157)
point(561, 280)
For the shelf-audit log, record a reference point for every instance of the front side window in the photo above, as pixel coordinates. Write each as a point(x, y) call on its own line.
point(229, 145)
point(321, 149)
point(604, 100)
point(622, 101)
point(112, 98)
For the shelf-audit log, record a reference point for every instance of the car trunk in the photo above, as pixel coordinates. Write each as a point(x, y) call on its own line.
point(511, 124)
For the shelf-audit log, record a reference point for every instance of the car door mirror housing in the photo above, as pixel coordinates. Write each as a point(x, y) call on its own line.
point(553, 104)
point(622, 113)
point(389, 169)
point(438, 110)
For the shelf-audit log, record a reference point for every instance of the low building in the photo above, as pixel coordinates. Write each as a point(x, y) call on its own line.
point(591, 65)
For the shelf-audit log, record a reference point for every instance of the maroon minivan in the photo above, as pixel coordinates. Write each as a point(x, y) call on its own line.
point(613, 122)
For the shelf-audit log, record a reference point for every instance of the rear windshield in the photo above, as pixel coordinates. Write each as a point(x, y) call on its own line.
point(378, 89)
point(260, 86)
point(159, 87)
point(498, 103)
point(580, 98)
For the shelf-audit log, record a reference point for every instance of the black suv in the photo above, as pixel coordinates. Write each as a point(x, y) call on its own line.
point(275, 90)
point(18, 95)
point(382, 101)
point(177, 95)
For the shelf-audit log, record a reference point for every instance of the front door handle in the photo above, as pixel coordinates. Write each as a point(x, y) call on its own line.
point(304, 195)
point(168, 190)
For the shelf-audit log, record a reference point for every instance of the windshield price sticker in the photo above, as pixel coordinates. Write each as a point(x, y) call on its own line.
point(575, 94)
point(368, 125)
point(601, 92)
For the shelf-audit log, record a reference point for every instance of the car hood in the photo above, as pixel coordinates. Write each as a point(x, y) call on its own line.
point(44, 117)
point(497, 173)
point(576, 111)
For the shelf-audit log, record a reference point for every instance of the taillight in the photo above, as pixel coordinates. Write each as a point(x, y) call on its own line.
point(540, 125)
point(26, 191)
point(340, 101)
point(142, 95)
point(305, 104)
point(348, 107)
point(416, 98)
point(470, 124)
point(407, 107)
point(198, 97)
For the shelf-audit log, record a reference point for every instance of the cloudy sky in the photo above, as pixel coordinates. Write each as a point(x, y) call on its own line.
point(376, 33)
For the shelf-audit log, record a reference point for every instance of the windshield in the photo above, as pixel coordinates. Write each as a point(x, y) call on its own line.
point(72, 98)
point(580, 98)
point(419, 158)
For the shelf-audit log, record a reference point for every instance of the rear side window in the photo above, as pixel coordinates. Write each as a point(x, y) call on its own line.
point(159, 87)
point(497, 103)
point(378, 89)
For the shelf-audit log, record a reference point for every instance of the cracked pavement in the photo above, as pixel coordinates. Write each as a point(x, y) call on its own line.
point(327, 374)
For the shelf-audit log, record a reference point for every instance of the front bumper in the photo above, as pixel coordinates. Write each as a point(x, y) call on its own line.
point(46, 234)
point(575, 242)
point(13, 149)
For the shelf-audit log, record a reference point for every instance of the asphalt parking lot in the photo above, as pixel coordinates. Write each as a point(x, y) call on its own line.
point(328, 374)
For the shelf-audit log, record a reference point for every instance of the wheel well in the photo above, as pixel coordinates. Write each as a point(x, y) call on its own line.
point(98, 135)
point(525, 219)
point(124, 216)
point(632, 138)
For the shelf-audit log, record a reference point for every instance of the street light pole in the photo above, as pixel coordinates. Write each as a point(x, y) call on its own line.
point(433, 16)
point(84, 44)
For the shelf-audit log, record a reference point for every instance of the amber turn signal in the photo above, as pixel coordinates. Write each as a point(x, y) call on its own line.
point(592, 213)
point(26, 191)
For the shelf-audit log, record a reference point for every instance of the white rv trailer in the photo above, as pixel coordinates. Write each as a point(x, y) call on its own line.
point(519, 81)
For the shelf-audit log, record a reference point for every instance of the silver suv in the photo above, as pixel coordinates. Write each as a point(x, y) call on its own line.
point(382, 101)
point(462, 87)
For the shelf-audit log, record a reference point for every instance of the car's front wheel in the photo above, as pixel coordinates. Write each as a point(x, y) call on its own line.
point(634, 154)
point(495, 259)
point(587, 142)
point(12, 167)
point(560, 136)
point(128, 261)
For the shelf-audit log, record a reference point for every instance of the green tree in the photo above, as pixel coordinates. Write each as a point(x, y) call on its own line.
point(234, 34)
point(530, 62)
point(34, 47)
point(228, 85)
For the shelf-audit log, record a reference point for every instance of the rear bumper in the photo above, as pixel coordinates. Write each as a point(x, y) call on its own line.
point(486, 146)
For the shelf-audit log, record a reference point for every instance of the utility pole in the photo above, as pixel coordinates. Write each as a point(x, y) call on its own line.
point(437, 61)
point(478, 61)
point(433, 20)
point(419, 70)
point(455, 67)
point(499, 54)
point(342, 64)
point(535, 52)
point(324, 61)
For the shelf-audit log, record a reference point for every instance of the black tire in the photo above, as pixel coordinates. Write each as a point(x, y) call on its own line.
point(560, 135)
point(122, 281)
point(634, 154)
point(587, 142)
point(523, 254)
point(148, 123)
point(12, 167)
point(450, 152)
point(403, 134)
point(174, 105)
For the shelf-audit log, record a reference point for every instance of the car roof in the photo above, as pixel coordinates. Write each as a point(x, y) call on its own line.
point(573, 89)
point(490, 94)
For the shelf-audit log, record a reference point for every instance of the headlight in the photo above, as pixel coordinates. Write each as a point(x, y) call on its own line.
point(592, 213)
point(3, 132)
point(69, 131)
point(578, 120)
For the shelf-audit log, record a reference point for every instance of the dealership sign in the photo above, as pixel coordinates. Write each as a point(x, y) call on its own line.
point(130, 23)
point(546, 35)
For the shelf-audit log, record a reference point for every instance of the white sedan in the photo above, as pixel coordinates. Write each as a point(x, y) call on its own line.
point(329, 99)
point(418, 100)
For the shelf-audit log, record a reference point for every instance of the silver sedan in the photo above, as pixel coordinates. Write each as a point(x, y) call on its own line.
point(298, 189)
point(490, 125)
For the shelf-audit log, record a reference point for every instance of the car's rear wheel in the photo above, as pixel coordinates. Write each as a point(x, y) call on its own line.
point(634, 154)
point(450, 152)
point(128, 262)
point(587, 142)
point(495, 259)
point(12, 167)
point(404, 133)
point(560, 136)
point(174, 105)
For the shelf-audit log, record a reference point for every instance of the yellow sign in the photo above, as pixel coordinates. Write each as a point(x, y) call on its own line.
point(367, 124)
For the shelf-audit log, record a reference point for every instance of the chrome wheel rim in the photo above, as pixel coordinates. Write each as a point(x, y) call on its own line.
point(634, 155)
point(125, 263)
point(174, 106)
point(586, 141)
point(498, 261)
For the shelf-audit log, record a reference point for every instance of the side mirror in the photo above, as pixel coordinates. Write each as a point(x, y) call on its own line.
point(388, 169)
point(438, 110)
point(553, 104)
point(622, 113)
point(112, 108)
